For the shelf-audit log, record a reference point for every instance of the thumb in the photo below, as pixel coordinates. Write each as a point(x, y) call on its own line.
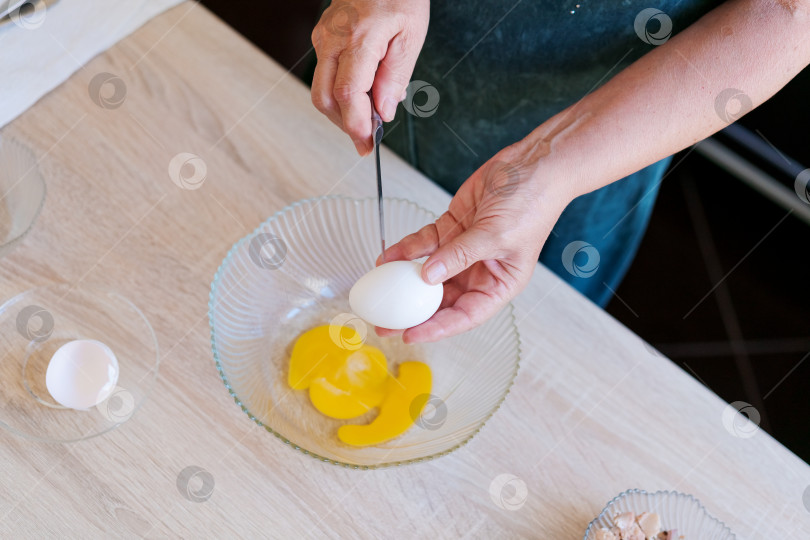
point(457, 255)
point(393, 75)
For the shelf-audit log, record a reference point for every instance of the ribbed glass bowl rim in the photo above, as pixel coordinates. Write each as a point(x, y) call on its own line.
point(662, 493)
point(215, 283)
point(11, 242)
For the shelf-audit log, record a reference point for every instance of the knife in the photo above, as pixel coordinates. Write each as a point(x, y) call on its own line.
point(377, 134)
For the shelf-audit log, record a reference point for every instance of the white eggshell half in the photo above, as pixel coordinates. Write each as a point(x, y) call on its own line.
point(82, 374)
point(393, 295)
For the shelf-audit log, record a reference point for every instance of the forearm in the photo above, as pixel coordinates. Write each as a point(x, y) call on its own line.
point(666, 100)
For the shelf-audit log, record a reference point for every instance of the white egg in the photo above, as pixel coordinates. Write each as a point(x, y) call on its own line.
point(393, 295)
point(82, 374)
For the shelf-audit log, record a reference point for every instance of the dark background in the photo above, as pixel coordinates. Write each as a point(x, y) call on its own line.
point(748, 340)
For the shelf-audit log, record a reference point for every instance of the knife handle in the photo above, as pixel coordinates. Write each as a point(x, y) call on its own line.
point(376, 122)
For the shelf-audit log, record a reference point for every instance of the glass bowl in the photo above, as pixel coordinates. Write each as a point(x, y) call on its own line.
point(34, 324)
point(22, 192)
point(294, 272)
point(678, 511)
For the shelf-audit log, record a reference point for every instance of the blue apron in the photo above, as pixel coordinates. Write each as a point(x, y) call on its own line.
point(493, 70)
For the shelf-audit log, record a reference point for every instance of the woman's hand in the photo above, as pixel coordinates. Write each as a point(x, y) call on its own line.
point(362, 46)
point(485, 247)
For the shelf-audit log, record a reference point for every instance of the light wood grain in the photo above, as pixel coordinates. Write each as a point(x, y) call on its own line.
point(592, 413)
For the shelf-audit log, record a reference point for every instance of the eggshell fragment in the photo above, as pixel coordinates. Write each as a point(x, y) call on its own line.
point(81, 374)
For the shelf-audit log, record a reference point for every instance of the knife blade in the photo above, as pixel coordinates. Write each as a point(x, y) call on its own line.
point(377, 134)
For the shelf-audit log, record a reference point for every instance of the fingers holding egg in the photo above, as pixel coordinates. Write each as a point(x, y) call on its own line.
point(414, 246)
point(450, 295)
point(387, 332)
point(447, 322)
point(468, 311)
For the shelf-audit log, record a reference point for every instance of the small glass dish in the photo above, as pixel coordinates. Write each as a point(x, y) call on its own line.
point(35, 323)
point(22, 192)
point(677, 511)
point(294, 272)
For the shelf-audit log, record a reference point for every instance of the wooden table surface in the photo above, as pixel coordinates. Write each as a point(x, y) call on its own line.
point(593, 410)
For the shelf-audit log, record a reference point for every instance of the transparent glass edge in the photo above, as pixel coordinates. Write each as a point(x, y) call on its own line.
point(662, 493)
point(287, 441)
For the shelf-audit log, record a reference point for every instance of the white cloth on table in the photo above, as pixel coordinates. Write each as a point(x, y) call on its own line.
point(40, 48)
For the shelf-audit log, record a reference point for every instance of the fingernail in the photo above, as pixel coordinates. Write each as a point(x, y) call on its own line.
point(361, 148)
point(436, 273)
point(389, 109)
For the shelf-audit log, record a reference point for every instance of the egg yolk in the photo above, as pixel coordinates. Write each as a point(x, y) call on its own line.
point(412, 387)
point(315, 352)
point(354, 387)
point(347, 378)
